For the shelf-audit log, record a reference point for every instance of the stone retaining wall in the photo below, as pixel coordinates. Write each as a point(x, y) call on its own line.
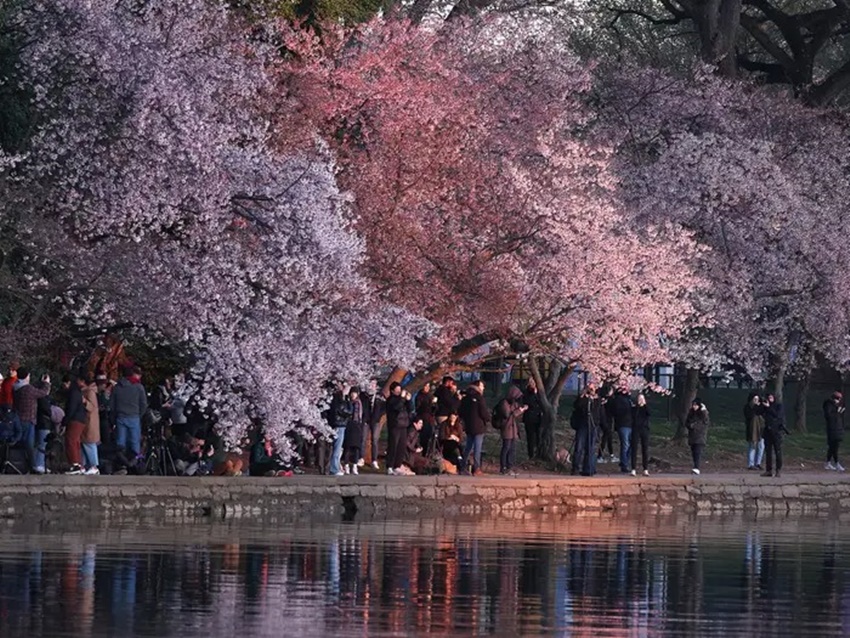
point(378, 495)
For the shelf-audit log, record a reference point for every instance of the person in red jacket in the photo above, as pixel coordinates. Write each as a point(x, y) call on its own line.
point(7, 388)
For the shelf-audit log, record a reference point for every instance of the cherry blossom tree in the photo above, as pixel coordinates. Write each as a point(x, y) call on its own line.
point(150, 192)
point(763, 181)
point(485, 205)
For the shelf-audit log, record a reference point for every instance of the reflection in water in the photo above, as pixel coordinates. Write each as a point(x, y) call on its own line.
point(596, 578)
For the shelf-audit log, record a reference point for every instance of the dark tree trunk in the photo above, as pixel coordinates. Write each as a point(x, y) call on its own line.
point(550, 390)
point(778, 382)
point(800, 404)
point(689, 385)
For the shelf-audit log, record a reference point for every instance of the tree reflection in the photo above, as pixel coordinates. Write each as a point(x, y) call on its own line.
point(357, 579)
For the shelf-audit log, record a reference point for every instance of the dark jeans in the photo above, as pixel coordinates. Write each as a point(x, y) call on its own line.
point(507, 456)
point(832, 450)
point(772, 445)
point(351, 455)
point(532, 439)
point(474, 445)
point(375, 430)
point(640, 437)
point(607, 440)
point(584, 453)
point(625, 435)
point(696, 453)
point(397, 449)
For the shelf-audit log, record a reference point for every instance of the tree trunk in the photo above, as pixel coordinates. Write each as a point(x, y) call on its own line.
point(550, 390)
point(717, 23)
point(800, 404)
point(778, 382)
point(689, 387)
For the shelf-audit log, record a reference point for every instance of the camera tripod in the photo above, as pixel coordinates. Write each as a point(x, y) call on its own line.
point(159, 461)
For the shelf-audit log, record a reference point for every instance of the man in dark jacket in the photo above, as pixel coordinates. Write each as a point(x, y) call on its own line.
point(774, 427)
point(398, 421)
point(127, 404)
point(833, 413)
point(620, 409)
point(586, 417)
point(448, 401)
point(532, 419)
point(476, 420)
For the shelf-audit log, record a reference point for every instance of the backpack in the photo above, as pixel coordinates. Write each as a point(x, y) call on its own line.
point(498, 418)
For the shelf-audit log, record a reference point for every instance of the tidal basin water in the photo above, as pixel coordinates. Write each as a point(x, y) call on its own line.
point(575, 576)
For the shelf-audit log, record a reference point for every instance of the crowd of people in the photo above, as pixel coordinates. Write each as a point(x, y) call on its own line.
point(91, 424)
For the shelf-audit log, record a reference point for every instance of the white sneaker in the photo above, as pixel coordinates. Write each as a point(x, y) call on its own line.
point(839, 467)
point(39, 470)
point(646, 472)
point(375, 465)
point(829, 466)
point(345, 469)
point(75, 469)
point(614, 459)
point(361, 463)
point(340, 473)
point(92, 471)
point(354, 470)
point(633, 472)
point(601, 459)
point(389, 471)
point(695, 471)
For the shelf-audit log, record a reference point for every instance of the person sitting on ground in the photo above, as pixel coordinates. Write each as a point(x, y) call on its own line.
point(451, 435)
point(265, 461)
point(414, 461)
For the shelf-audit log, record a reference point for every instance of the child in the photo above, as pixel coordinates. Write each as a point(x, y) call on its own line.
point(353, 433)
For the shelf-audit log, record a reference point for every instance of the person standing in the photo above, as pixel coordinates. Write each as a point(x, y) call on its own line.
point(510, 411)
point(353, 433)
point(532, 419)
point(425, 405)
point(127, 404)
point(338, 416)
point(75, 424)
point(374, 414)
point(398, 420)
point(606, 441)
point(7, 388)
point(774, 428)
point(451, 434)
point(586, 417)
point(640, 434)
point(25, 400)
point(621, 414)
point(476, 419)
point(91, 433)
point(833, 412)
point(448, 402)
point(753, 431)
point(697, 424)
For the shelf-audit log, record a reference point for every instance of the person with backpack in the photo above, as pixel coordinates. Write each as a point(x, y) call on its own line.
point(506, 418)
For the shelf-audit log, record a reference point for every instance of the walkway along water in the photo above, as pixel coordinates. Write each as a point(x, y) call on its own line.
point(291, 498)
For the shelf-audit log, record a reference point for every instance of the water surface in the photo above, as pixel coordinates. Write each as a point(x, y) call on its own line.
point(595, 576)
